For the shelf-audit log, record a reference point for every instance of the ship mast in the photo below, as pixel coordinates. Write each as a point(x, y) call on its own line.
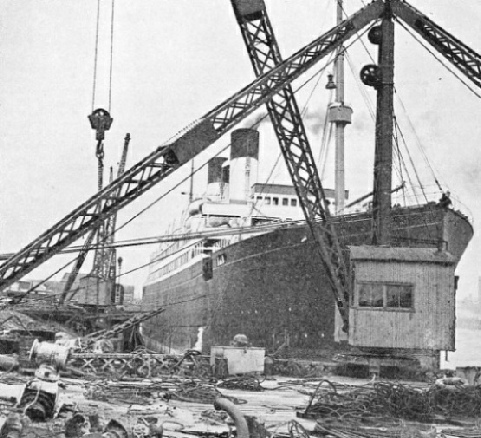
point(340, 115)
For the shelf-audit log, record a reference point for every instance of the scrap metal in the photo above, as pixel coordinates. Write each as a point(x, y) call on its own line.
point(120, 328)
point(381, 400)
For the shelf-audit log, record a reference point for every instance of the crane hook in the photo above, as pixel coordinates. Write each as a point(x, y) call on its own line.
point(101, 121)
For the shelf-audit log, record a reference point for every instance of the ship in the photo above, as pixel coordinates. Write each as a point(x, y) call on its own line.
point(245, 261)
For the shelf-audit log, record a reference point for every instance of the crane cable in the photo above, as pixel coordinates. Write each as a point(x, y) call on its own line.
point(111, 53)
point(96, 54)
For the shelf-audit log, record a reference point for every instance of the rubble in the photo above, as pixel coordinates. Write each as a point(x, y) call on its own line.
point(173, 406)
point(81, 390)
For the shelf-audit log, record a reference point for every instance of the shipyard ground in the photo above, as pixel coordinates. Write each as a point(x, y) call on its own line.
point(185, 408)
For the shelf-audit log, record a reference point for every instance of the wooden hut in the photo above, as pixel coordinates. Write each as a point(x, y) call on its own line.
point(404, 298)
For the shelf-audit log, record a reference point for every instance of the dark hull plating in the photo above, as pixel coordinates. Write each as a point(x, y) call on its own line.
point(273, 288)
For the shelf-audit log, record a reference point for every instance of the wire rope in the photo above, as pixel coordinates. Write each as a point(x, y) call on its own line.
point(96, 55)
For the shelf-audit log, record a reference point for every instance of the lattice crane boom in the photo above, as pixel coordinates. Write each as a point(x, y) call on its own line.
point(264, 53)
point(109, 238)
point(455, 51)
point(166, 159)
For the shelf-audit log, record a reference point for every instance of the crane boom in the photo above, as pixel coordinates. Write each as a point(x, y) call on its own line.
point(103, 266)
point(166, 159)
point(264, 53)
point(455, 51)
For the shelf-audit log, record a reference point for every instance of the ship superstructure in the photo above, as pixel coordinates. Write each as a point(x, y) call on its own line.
point(235, 207)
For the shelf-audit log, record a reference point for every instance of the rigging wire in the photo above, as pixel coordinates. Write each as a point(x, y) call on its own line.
point(365, 96)
point(402, 165)
point(410, 159)
point(362, 88)
point(441, 61)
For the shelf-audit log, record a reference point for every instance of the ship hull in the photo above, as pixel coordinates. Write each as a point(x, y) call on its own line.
point(273, 288)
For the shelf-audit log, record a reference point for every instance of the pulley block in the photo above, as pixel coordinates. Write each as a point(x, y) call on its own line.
point(101, 121)
point(371, 75)
point(375, 35)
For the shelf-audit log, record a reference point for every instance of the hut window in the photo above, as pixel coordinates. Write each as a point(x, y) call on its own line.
point(275, 201)
point(399, 296)
point(259, 198)
point(294, 202)
point(371, 295)
point(285, 201)
point(268, 200)
point(385, 295)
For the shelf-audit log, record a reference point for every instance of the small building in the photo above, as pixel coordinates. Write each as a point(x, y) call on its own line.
point(404, 298)
point(95, 291)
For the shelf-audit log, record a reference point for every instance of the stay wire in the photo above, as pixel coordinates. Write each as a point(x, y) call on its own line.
point(369, 106)
point(437, 58)
point(411, 160)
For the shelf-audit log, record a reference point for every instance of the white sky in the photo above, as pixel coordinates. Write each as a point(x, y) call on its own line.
point(174, 60)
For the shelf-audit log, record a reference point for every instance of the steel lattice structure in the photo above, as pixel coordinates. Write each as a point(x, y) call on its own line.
point(264, 53)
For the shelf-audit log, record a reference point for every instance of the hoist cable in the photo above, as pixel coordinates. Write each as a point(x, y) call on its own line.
point(111, 54)
point(96, 55)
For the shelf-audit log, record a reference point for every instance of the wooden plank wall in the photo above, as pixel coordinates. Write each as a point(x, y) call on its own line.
point(430, 325)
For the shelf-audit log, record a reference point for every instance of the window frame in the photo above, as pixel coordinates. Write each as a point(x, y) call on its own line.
point(385, 285)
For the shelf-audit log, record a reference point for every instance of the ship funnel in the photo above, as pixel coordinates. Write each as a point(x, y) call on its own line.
point(214, 176)
point(244, 156)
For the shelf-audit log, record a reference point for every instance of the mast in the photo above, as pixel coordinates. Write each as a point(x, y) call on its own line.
point(384, 128)
point(340, 115)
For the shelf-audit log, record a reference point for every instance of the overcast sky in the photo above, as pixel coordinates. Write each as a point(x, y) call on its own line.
point(174, 60)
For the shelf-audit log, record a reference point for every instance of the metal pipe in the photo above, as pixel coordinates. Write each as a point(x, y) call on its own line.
point(239, 419)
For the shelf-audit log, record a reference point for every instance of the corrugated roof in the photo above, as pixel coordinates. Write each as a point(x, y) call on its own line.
point(431, 255)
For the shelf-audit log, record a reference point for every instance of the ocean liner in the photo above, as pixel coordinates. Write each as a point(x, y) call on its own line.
point(245, 262)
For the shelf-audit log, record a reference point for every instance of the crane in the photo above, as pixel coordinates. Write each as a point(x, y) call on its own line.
point(104, 260)
point(264, 53)
point(166, 159)
point(269, 87)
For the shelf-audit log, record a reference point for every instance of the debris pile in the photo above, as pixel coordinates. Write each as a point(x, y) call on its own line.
point(244, 383)
point(381, 400)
